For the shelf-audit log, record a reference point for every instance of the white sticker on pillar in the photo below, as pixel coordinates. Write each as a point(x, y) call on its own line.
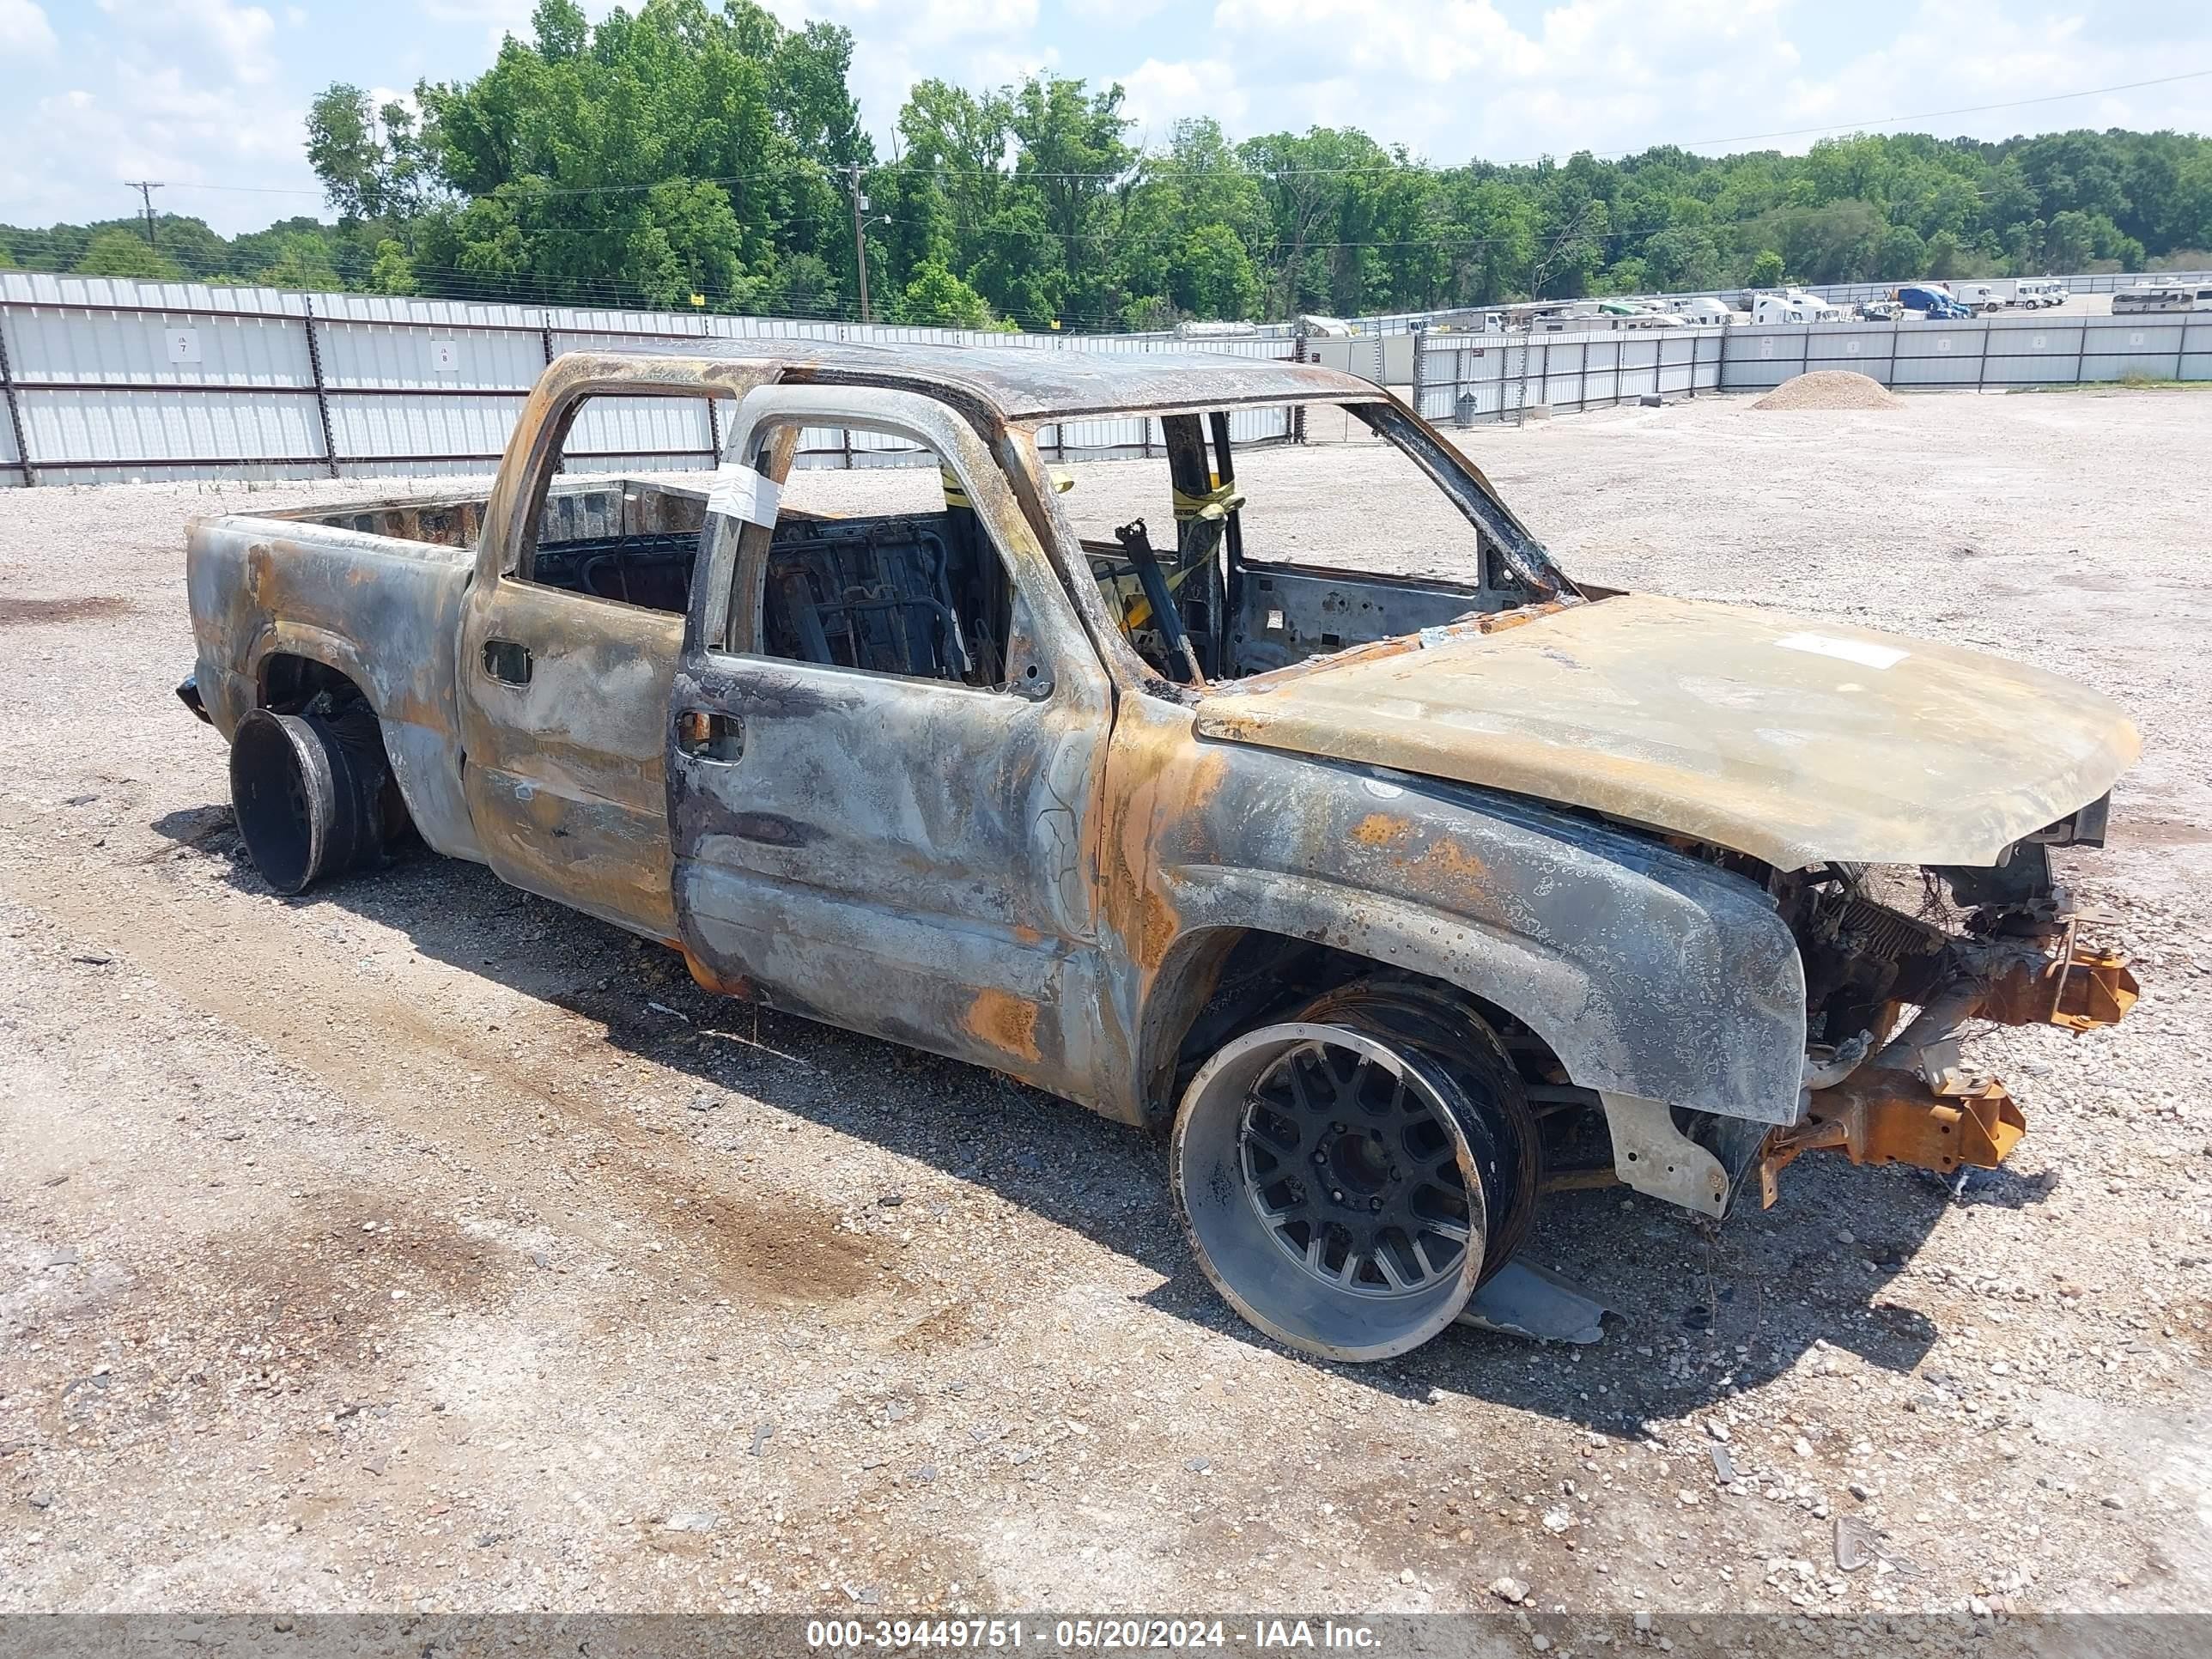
point(184, 344)
point(742, 493)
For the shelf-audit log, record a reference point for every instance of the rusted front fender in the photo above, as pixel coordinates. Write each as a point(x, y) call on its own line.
point(1647, 972)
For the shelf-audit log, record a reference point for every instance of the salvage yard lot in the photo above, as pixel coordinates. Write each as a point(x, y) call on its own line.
point(420, 1244)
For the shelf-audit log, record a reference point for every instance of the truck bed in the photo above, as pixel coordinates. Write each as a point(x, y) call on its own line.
point(576, 510)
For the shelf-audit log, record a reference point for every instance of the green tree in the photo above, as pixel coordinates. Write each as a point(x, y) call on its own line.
point(1215, 277)
point(936, 298)
point(1683, 257)
point(1766, 268)
point(121, 253)
point(675, 151)
point(304, 261)
point(1903, 254)
point(369, 157)
point(392, 271)
point(1019, 265)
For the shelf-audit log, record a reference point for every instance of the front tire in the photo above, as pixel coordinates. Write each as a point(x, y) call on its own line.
point(1349, 1176)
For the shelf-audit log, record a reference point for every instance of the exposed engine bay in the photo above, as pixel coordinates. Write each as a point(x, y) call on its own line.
point(1954, 944)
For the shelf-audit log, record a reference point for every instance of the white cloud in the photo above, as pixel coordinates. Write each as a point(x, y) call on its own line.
point(24, 29)
point(218, 42)
point(498, 17)
point(513, 13)
point(186, 91)
point(976, 43)
point(1159, 94)
point(1453, 79)
point(156, 123)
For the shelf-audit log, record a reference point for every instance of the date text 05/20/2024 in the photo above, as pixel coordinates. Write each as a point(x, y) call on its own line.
point(1106, 1634)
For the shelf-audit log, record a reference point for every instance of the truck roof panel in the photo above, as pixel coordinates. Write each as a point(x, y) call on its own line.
point(1025, 383)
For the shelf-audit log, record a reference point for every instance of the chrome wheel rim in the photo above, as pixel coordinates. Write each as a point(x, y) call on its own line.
point(1355, 1170)
point(1358, 1294)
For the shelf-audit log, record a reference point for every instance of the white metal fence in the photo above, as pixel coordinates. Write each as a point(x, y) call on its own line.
point(1465, 378)
point(1461, 379)
point(107, 380)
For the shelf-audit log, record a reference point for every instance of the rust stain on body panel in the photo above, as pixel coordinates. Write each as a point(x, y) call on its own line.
point(1007, 1022)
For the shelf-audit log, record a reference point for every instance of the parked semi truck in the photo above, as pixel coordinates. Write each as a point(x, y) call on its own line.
point(1931, 301)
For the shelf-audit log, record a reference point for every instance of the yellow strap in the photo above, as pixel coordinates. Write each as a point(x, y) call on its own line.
point(1136, 614)
point(1062, 481)
point(1217, 503)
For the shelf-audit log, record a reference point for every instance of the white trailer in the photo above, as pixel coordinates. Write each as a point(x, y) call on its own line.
point(1795, 307)
point(1701, 310)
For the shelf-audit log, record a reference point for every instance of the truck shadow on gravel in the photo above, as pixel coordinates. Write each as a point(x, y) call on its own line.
point(1704, 1311)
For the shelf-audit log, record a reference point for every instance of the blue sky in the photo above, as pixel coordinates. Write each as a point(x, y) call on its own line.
point(210, 93)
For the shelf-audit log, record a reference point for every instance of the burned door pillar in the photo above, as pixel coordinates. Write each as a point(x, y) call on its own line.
point(1201, 518)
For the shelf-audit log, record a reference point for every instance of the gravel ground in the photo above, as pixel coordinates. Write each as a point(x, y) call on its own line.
point(420, 1245)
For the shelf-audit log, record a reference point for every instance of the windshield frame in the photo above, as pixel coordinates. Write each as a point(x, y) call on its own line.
point(1463, 483)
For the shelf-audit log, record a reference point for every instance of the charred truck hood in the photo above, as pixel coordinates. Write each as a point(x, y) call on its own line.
point(1792, 739)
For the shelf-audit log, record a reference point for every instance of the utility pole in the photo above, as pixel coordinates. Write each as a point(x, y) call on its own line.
point(859, 236)
point(146, 187)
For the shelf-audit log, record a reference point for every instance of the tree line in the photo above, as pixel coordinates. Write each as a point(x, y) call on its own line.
point(684, 156)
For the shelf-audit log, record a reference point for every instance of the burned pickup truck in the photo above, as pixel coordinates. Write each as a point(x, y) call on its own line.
point(1337, 835)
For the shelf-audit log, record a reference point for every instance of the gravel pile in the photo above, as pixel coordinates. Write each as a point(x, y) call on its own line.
point(1831, 388)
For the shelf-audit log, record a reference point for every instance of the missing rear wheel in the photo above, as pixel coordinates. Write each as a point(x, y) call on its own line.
point(307, 791)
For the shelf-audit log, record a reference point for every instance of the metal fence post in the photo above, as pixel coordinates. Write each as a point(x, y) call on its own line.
point(14, 408)
point(1981, 363)
point(322, 393)
point(1299, 413)
point(2181, 345)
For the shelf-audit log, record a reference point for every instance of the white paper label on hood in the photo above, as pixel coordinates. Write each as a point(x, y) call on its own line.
point(1865, 652)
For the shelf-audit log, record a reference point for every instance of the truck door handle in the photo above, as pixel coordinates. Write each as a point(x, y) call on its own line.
point(708, 735)
point(507, 661)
